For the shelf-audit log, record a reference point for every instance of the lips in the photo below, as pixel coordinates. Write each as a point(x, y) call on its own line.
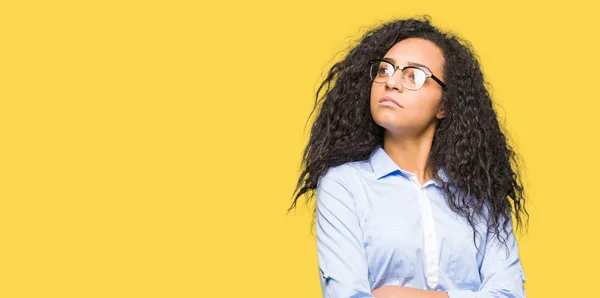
point(389, 99)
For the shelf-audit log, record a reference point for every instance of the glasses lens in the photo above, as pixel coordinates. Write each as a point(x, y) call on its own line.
point(413, 78)
point(381, 71)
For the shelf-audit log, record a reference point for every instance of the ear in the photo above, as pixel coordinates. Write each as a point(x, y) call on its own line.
point(441, 114)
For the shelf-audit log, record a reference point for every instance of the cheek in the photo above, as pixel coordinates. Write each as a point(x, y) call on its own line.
point(376, 93)
point(426, 107)
point(431, 102)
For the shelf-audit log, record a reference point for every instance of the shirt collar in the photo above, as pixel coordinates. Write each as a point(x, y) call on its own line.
point(383, 165)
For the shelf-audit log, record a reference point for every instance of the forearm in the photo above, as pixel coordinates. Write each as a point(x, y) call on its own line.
point(406, 292)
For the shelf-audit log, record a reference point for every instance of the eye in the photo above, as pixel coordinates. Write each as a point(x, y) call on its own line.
point(385, 69)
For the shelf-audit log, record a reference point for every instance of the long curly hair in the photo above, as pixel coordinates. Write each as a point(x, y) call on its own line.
point(482, 169)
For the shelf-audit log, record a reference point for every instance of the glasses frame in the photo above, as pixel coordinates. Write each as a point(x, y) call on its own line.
point(427, 73)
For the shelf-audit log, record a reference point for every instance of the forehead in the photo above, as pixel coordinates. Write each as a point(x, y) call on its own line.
point(417, 50)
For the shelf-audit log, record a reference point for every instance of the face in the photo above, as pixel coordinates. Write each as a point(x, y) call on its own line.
point(413, 111)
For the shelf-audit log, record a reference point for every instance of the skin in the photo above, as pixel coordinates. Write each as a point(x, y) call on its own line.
point(410, 127)
point(405, 292)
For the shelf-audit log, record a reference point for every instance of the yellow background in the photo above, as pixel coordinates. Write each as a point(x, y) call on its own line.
point(146, 150)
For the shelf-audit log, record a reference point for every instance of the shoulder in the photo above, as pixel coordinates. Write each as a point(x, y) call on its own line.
point(335, 191)
point(345, 174)
point(342, 181)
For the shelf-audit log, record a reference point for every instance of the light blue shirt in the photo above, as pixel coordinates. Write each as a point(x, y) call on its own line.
point(377, 225)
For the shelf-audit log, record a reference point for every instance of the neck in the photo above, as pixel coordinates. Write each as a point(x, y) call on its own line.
point(411, 152)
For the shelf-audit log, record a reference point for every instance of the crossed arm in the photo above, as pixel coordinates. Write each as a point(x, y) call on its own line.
point(405, 292)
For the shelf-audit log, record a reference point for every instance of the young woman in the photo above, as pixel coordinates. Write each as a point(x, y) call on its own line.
point(415, 182)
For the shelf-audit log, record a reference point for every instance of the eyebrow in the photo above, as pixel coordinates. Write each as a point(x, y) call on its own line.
point(409, 63)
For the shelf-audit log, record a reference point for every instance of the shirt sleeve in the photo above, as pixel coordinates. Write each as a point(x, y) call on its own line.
point(501, 274)
point(341, 256)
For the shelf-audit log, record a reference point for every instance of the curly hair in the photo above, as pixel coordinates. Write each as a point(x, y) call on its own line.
point(481, 167)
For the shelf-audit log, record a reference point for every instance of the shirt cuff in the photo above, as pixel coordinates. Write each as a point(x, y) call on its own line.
point(460, 294)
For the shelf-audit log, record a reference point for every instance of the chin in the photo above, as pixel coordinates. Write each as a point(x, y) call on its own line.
point(387, 122)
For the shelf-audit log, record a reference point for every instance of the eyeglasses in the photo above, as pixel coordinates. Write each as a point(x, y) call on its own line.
point(413, 77)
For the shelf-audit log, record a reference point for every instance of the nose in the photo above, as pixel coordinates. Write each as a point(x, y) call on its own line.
point(395, 81)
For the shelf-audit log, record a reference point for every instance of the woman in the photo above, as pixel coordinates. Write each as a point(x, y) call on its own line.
point(413, 175)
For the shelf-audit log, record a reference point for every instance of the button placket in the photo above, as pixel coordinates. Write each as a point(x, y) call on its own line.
point(431, 249)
